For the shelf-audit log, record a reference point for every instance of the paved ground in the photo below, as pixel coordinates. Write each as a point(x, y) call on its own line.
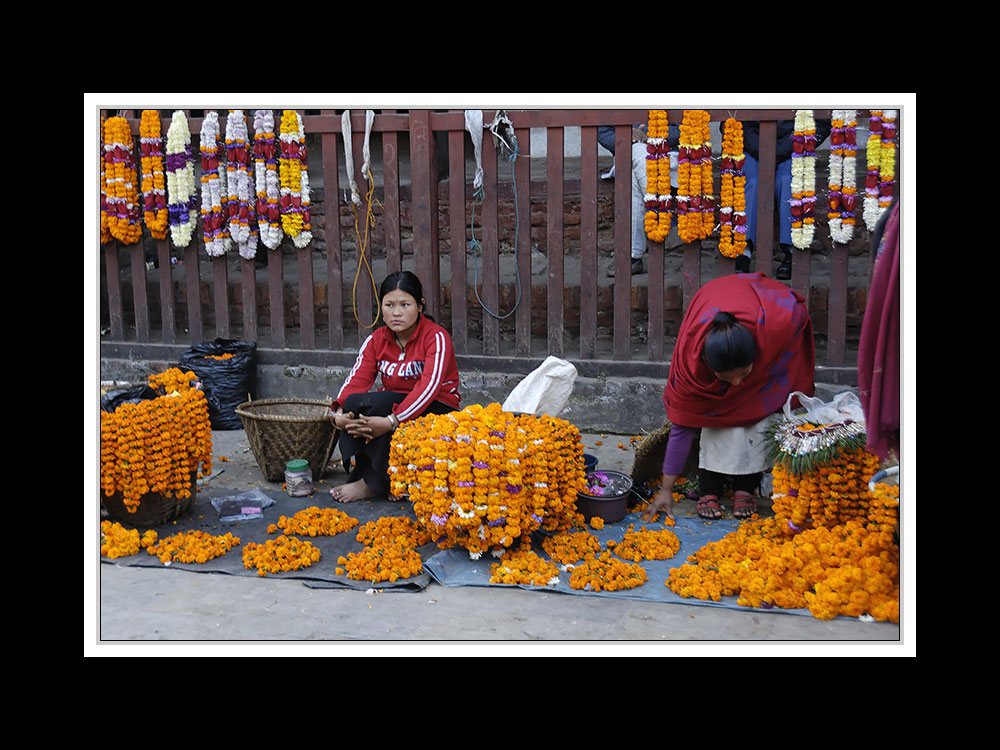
point(146, 606)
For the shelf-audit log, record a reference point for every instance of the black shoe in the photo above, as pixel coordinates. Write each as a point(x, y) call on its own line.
point(784, 271)
point(743, 264)
point(636, 268)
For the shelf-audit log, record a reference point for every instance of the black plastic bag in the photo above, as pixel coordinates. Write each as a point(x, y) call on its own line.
point(111, 400)
point(227, 382)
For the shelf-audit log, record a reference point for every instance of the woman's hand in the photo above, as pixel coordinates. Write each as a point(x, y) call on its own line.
point(664, 500)
point(370, 428)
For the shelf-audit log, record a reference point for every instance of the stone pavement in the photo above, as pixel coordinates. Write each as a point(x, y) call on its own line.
point(146, 606)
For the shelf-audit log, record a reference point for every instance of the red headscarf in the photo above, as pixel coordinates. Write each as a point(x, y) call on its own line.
point(777, 318)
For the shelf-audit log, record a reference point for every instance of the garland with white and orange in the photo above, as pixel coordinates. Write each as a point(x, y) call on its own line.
point(213, 189)
point(842, 179)
point(241, 203)
point(293, 174)
point(732, 193)
point(657, 198)
point(803, 179)
point(154, 195)
point(120, 177)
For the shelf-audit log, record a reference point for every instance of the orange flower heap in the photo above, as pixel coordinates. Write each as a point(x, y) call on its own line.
point(159, 444)
point(605, 572)
point(571, 546)
point(117, 541)
point(394, 527)
point(280, 555)
point(315, 521)
point(482, 478)
point(390, 552)
point(193, 547)
point(648, 544)
point(524, 568)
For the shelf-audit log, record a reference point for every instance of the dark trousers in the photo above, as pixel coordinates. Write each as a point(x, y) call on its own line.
point(710, 482)
point(371, 459)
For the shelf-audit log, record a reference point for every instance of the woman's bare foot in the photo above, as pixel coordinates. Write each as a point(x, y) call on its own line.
point(352, 492)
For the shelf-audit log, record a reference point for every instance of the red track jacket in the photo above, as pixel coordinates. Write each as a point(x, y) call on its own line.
point(426, 373)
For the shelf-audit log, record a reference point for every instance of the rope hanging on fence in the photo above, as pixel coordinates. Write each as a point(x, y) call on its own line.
point(345, 123)
point(507, 147)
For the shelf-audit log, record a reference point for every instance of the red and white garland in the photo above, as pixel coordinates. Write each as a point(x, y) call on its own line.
point(154, 194)
point(268, 186)
point(120, 175)
point(241, 203)
point(803, 179)
point(293, 174)
point(732, 194)
point(658, 198)
point(843, 179)
point(182, 191)
point(213, 188)
point(887, 166)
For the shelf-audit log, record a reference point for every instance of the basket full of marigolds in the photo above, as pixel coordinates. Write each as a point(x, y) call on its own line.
point(153, 451)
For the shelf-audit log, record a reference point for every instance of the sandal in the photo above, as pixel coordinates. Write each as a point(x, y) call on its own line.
point(745, 505)
point(708, 507)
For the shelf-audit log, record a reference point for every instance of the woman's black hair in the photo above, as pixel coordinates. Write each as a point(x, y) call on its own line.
point(728, 345)
point(405, 281)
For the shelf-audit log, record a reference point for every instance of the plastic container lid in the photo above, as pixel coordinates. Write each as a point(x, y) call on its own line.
point(297, 464)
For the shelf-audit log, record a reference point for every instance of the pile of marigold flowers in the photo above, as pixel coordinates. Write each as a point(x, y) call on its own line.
point(157, 445)
point(606, 572)
point(280, 555)
point(390, 551)
point(192, 546)
point(483, 478)
point(523, 567)
point(571, 546)
point(117, 541)
point(314, 521)
point(648, 544)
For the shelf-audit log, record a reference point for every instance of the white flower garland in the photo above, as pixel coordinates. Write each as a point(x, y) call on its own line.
point(265, 151)
point(213, 189)
point(803, 178)
point(241, 200)
point(843, 179)
point(181, 190)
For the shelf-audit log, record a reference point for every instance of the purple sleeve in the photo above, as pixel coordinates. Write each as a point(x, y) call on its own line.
point(678, 447)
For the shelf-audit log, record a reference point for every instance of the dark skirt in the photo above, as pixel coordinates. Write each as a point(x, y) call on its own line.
point(371, 459)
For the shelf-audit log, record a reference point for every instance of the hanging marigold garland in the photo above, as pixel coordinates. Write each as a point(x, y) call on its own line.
point(121, 192)
point(213, 188)
point(154, 193)
point(268, 185)
point(694, 175)
point(658, 197)
point(294, 176)
point(732, 193)
point(803, 179)
point(887, 162)
point(842, 180)
point(105, 231)
point(873, 165)
point(241, 203)
point(182, 193)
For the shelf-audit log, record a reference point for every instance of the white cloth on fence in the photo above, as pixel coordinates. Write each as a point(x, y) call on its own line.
point(474, 124)
point(345, 129)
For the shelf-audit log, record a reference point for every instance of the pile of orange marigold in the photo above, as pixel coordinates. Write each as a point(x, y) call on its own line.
point(390, 551)
point(831, 546)
point(157, 445)
point(482, 478)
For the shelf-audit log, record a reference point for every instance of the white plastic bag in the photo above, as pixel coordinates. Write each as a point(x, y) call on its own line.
point(545, 390)
point(844, 407)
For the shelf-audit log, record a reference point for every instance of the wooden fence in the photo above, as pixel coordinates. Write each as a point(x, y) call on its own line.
point(417, 135)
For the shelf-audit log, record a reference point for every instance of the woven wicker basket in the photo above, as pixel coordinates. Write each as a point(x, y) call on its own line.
point(154, 509)
point(280, 429)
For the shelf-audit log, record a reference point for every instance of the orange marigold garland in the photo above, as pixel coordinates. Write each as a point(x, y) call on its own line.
point(658, 197)
point(732, 194)
point(157, 445)
point(105, 231)
point(121, 190)
point(695, 204)
point(482, 478)
point(154, 188)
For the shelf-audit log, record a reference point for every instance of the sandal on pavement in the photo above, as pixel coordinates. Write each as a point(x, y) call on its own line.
point(708, 507)
point(745, 505)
